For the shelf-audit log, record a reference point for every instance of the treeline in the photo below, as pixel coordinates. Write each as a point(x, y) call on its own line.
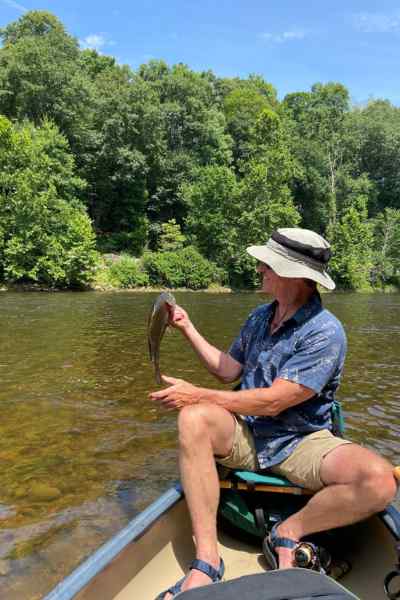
point(178, 171)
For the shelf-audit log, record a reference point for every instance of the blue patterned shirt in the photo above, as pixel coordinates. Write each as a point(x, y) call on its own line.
point(309, 348)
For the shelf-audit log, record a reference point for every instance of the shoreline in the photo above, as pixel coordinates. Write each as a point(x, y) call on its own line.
point(23, 287)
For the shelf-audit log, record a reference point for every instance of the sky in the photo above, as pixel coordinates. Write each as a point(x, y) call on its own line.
point(291, 44)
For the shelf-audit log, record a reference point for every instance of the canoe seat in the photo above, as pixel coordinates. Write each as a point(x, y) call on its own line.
point(285, 584)
point(252, 478)
point(260, 482)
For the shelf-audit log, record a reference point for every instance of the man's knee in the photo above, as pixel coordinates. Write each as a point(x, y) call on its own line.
point(206, 423)
point(192, 418)
point(370, 474)
point(378, 483)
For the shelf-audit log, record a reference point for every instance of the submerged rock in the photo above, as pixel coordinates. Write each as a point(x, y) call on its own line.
point(5, 567)
point(43, 492)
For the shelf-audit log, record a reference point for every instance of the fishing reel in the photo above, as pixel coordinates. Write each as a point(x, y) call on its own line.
point(391, 582)
point(309, 556)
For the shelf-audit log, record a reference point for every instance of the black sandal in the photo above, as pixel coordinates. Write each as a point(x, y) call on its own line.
point(200, 565)
point(306, 554)
point(273, 541)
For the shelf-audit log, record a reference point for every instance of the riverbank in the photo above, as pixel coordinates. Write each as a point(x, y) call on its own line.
point(33, 287)
point(212, 289)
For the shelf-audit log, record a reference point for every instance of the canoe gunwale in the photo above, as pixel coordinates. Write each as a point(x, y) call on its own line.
point(96, 562)
point(391, 519)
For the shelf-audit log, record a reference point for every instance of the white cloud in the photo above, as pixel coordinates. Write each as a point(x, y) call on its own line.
point(377, 22)
point(15, 5)
point(96, 41)
point(285, 36)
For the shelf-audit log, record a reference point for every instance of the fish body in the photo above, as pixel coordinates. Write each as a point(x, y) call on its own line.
point(163, 306)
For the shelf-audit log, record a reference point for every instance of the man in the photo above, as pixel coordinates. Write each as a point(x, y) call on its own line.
point(289, 356)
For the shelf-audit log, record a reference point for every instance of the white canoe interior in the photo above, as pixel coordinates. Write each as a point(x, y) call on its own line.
point(160, 556)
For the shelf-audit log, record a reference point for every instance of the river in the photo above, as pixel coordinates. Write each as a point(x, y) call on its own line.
point(82, 449)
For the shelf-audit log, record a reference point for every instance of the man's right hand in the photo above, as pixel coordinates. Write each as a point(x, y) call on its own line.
point(179, 319)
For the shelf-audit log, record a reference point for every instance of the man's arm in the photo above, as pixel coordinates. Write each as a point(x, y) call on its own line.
point(257, 402)
point(218, 363)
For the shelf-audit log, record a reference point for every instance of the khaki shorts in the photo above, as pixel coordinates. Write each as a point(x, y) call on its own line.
point(303, 465)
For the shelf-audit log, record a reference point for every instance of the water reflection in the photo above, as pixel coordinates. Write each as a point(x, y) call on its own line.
point(81, 447)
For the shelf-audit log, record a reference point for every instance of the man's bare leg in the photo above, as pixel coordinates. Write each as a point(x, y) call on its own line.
point(205, 430)
point(358, 483)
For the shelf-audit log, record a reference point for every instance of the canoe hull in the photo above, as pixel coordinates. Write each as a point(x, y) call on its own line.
point(161, 547)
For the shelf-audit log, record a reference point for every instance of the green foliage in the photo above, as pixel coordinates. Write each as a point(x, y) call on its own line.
point(191, 134)
point(317, 142)
point(147, 150)
point(243, 104)
point(123, 241)
point(171, 238)
point(45, 234)
point(182, 268)
point(54, 87)
point(351, 264)
point(227, 214)
point(387, 248)
point(213, 203)
point(377, 131)
point(125, 272)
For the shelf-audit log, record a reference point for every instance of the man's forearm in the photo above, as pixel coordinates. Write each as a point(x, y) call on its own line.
point(213, 359)
point(258, 401)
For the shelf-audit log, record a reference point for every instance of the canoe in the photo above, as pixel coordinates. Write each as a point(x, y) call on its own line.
point(154, 549)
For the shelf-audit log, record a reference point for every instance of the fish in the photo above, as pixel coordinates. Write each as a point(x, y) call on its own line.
point(163, 307)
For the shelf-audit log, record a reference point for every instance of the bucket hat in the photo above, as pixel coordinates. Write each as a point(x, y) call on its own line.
point(296, 252)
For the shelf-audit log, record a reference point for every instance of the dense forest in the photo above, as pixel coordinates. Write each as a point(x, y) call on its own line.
point(164, 175)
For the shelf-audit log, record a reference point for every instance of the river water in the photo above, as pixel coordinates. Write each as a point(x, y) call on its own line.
point(82, 449)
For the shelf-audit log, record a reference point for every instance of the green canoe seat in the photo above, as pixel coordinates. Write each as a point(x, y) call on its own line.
point(267, 479)
point(260, 482)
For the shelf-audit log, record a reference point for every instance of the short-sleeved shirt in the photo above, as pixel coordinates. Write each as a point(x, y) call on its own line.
point(309, 349)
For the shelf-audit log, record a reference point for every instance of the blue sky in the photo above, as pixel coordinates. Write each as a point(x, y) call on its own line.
point(292, 44)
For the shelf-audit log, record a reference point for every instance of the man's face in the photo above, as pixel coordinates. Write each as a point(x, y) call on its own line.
point(270, 279)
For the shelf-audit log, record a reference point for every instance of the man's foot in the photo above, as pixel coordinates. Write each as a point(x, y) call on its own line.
point(201, 573)
point(278, 547)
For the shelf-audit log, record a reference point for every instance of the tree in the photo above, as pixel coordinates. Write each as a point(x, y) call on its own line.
point(318, 145)
point(377, 129)
point(387, 247)
point(352, 241)
point(113, 157)
point(38, 72)
point(171, 238)
point(227, 214)
point(213, 202)
point(243, 104)
point(45, 234)
point(192, 135)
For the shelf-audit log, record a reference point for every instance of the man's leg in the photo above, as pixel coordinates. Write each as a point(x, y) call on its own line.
point(358, 483)
point(205, 431)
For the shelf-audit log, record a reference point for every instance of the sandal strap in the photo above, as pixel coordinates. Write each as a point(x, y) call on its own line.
point(281, 542)
point(174, 589)
point(208, 569)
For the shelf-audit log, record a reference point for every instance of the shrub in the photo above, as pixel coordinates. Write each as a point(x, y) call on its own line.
point(183, 268)
point(124, 241)
point(171, 238)
point(126, 273)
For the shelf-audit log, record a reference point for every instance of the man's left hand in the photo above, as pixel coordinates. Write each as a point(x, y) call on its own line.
point(180, 393)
